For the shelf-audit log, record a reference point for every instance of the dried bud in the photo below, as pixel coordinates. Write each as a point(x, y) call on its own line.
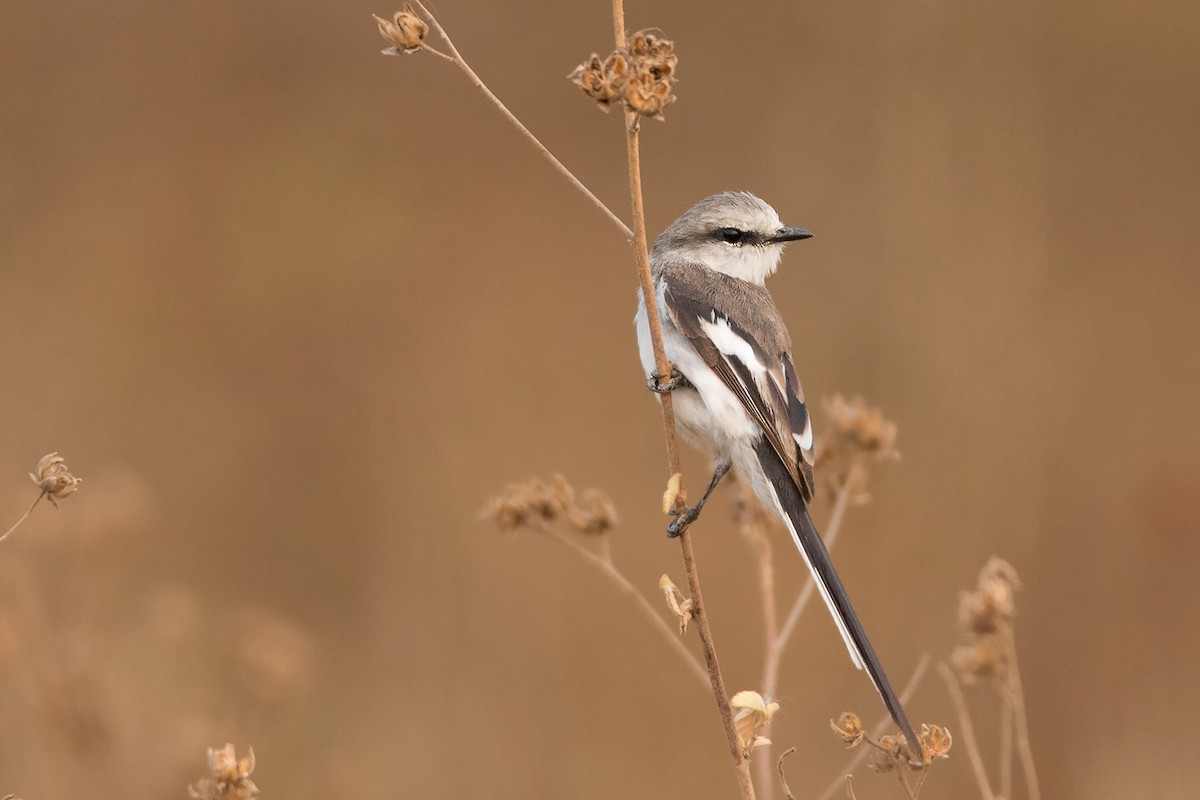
point(596, 516)
point(681, 607)
point(535, 505)
point(648, 95)
point(984, 659)
point(651, 53)
point(884, 757)
point(753, 714)
point(672, 492)
point(863, 427)
point(849, 727)
point(53, 478)
point(228, 777)
point(641, 75)
point(404, 30)
point(935, 741)
point(602, 81)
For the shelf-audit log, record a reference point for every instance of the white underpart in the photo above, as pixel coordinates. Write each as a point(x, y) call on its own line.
point(713, 419)
point(752, 263)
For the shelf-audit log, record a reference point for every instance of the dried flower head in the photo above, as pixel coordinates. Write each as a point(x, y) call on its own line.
point(849, 727)
point(885, 755)
point(651, 53)
point(981, 660)
point(53, 478)
point(228, 777)
point(860, 435)
point(640, 75)
point(537, 504)
point(405, 30)
point(935, 741)
point(603, 81)
point(752, 715)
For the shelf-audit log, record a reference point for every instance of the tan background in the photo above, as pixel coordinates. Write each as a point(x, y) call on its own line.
point(294, 310)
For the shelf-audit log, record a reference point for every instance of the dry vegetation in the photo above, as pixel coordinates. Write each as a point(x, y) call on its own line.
point(65, 702)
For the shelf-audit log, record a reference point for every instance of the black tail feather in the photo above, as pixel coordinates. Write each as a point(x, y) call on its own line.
point(830, 585)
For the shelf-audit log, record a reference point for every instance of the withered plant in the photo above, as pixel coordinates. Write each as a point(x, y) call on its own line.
point(638, 77)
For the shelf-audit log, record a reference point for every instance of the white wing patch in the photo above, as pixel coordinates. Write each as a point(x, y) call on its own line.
point(804, 438)
point(729, 343)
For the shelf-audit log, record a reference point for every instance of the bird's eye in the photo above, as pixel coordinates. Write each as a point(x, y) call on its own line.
point(731, 235)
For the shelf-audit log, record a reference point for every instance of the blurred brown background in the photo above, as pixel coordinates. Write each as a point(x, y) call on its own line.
point(293, 310)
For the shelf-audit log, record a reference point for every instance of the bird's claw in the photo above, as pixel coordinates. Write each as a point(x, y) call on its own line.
point(676, 380)
point(682, 520)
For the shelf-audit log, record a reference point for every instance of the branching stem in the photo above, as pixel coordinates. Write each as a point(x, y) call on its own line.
point(456, 58)
point(24, 516)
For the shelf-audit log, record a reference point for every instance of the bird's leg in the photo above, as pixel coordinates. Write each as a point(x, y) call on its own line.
point(691, 513)
point(676, 380)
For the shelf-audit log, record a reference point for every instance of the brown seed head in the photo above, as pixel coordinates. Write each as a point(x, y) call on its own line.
point(651, 53)
point(405, 30)
point(849, 727)
point(982, 660)
point(884, 756)
point(935, 741)
point(52, 477)
point(228, 777)
point(536, 505)
point(992, 603)
point(602, 80)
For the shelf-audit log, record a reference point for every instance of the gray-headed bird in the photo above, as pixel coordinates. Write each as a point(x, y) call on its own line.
point(734, 385)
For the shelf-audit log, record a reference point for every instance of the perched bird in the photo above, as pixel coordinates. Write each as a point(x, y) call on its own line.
point(734, 385)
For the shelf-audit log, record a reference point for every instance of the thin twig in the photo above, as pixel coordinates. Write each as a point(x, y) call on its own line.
point(861, 753)
point(1022, 722)
point(740, 761)
point(23, 516)
point(968, 731)
point(787, 791)
point(456, 58)
point(605, 565)
point(1006, 742)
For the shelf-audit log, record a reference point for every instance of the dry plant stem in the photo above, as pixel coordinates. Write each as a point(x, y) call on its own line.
point(740, 761)
point(456, 58)
point(968, 731)
point(605, 565)
point(1022, 722)
point(1006, 742)
point(24, 516)
point(787, 790)
point(860, 754)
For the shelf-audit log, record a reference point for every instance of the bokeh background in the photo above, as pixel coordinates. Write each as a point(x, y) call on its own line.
point(294, 310)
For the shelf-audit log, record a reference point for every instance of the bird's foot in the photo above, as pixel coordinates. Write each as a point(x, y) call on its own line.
point(676, 380)
point(682, 520)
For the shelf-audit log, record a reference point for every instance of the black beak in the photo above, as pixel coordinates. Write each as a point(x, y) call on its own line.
point(789, 235)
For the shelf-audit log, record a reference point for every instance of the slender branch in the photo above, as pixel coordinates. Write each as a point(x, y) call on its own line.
point(23, 516)
point(1022, 722)
point(968, 731)
point(456, 58)
point(740, 762)
point(605, 565)
point(861, 753)
point(1006, 742)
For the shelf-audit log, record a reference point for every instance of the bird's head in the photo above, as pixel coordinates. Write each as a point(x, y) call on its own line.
point(734, 232)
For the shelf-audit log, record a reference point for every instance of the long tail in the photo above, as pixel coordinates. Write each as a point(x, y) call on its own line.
point(812, 547)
